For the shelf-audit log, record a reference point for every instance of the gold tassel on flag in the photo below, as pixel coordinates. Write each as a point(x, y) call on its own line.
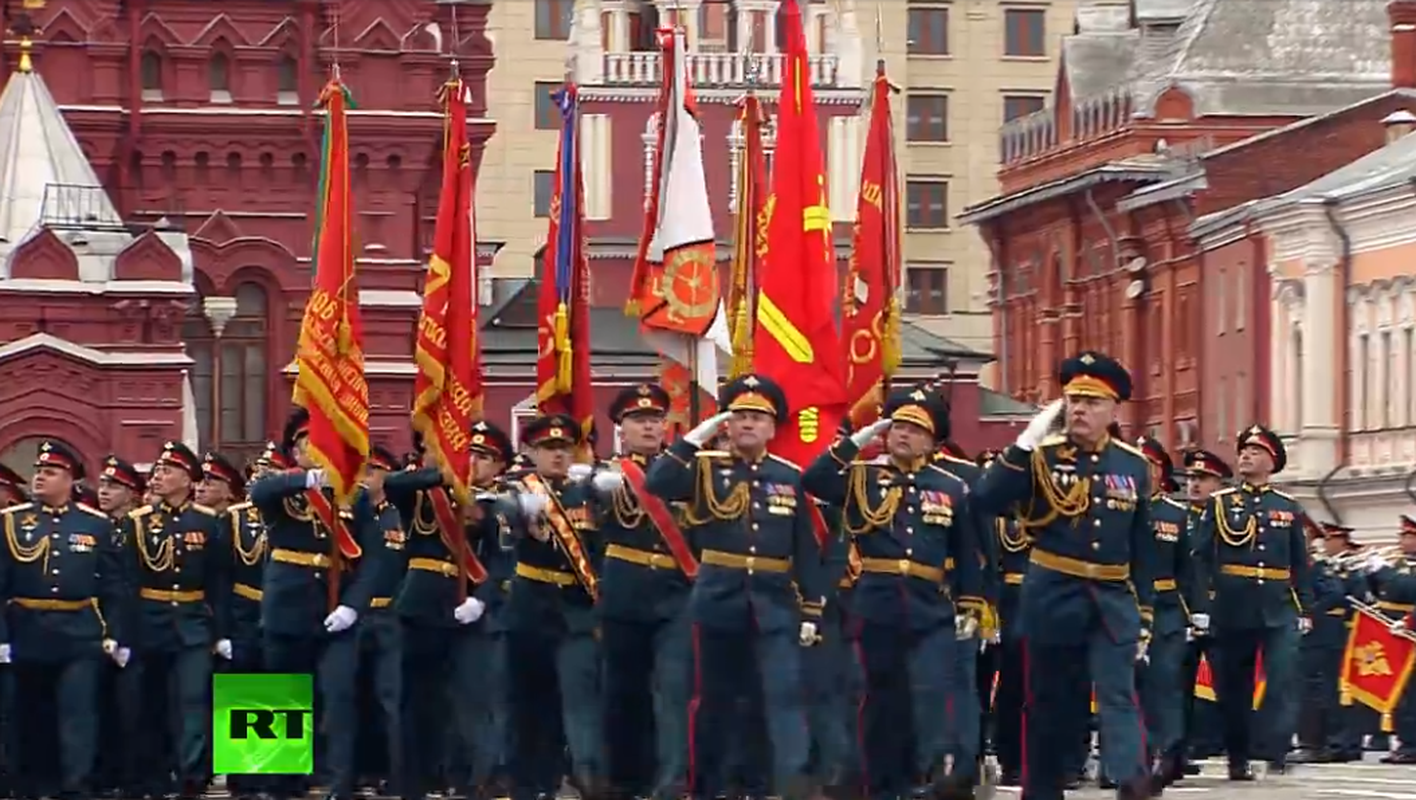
point(890, 344)
point(1387, 723)
point(562, 341)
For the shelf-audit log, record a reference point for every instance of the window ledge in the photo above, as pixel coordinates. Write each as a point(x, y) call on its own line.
point(1027, 59)
point(929, 143)
point(930, 56)
point(916, 229)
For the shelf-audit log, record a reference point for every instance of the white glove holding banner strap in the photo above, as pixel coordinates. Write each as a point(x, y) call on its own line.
point(1200, 623)
point(315, 479)
point(965, 626)
point(341, 619)
point(607, 481)
point(579, 472)
point(808, 635)
point(707, 428)
point(866, 435)
point(469, 612)
point(531, 504)
point(1039, 427)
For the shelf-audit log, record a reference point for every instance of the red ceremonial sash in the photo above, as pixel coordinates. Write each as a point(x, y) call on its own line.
point(662, 518)
point(448, 527)
point(325, 513)
point(566, 536)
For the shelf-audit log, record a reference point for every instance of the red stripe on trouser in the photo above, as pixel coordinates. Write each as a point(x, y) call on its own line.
point(693, 710)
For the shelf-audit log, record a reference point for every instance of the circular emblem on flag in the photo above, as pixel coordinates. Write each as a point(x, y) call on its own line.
point(691, 284)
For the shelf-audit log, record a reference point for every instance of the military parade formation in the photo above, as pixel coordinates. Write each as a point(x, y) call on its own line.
point(697, 617)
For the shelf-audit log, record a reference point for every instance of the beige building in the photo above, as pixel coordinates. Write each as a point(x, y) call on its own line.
point(964, 65)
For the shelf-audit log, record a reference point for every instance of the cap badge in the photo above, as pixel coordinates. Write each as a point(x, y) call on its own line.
point(1088, 359)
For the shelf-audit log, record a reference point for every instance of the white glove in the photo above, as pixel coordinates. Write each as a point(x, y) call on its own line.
point(122, 656)
point(866, 435)
point(469, 612)
point(1396, 627)
point(808, 635)
point(5, 657)
point(532, 505)
point(707, 428)
point(315, 479)
point(1200, 622)
point(341, 619)
point(965, 626)
point(1143, 650)
point(223, 648)
point(607, 481)
point(1040, 426)
point(1374, 564)
point(1305, 625)
point(579, 472)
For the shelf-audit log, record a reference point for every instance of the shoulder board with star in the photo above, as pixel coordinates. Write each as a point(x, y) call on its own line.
point(1129, 448)
point(1172, 501)
point(1053, 439)
point(712, 454)
point(237, 508)
point(88, 509)
point(208, 510)
point(17, 508)
point(140, 512)
point(1225, 490)
point(944, 471)
point(781, 460)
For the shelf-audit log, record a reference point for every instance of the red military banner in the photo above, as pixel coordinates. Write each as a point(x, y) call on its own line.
point(330, 355)
point(1204, 681)
point(1376, 664)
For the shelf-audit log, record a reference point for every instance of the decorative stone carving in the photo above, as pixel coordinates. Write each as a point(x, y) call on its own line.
point(218, 311)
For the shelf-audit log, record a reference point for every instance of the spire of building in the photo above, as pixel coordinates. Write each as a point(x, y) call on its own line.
point(39, 156)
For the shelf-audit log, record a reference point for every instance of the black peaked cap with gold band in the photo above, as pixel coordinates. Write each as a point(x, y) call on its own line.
point(1203, 462)
point(921, 408)
point(753, 392)
point(122, 473)
point(54, 453)
point(939, 397)
point(645, 398)
point(1334, 530)
point(384, 459)
point(550, 430)
point(1258, 436)
point(1095, 374)
point(273, 457)
point(1154, 452)
point(179, 456)
point(219, 467)
point(489, 440)
point(296, 426)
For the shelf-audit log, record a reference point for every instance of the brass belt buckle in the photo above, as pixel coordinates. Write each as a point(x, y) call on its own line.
point(905, 567)
point(748, 562)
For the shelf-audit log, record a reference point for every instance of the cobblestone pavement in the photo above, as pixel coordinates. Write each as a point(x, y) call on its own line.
point(1368, 780)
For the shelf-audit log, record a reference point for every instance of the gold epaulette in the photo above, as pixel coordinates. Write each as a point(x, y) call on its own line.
point(1129, 448)
point(1284, 495)
point(1225, 490)
point(208, 510)
point(88, 509)
point(878, 461)
point(953, 459)
point(711, 454)
point(138, 513)
point(1053, 440)
point(236, 507)
point(1172, 501)
point(778, 458)
point(18, 507)
point(943, 471)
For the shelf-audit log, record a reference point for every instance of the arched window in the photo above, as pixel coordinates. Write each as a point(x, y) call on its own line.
point(150, 69)
point(219, 78)
point(229, 376)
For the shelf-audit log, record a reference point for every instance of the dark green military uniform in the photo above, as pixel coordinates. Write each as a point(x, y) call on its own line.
point(551, 625)
point(1321, 716)
point(310, 586)
point(1251, 550)
point(907, 522)
point(61, 580)
point(1087, 599)
point(1006, 657)
point(760, 571)
point(1395, 585)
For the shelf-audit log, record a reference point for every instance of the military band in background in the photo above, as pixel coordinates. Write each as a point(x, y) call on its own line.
point(698, 617)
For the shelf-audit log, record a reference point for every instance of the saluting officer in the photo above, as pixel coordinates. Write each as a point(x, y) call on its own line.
point(1321, 716)
point(760, 582)
point(64, 597)
point(176, 557)
point(1162, 680)
point(1086, 604)
point(907, 518)
point(550, 618)
point(645, 581)
point(1251, 550)
point(314, 591)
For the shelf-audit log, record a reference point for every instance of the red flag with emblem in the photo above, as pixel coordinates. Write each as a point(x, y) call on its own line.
point(1377, 664)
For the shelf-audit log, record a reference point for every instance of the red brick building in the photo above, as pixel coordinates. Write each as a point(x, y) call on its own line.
point(1091, 239)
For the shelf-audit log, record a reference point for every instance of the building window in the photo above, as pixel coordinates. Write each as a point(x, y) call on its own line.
point(229, 374)
point(927, 118)
point(1389, 367)
point(151, 74)
point(929, 31)
point(927, 204)
point(929, 288)
point(1364, 381)
point(1021, 105)
point(287, 72)
point(545, 188)
point(553, 19)
point(548, 115)
point(219, 78)
point(1241, 295)
point(1024, 32)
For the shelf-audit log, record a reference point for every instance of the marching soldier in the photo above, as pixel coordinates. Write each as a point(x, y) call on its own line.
point(760, 559)
point(1086, 603)
point(909, 518)
point(1395, 579)
point(1162, 681)
point(1251, 550)
point(646, 638)
point(550, 618)
point(119, 488)
point(1321, 717)
point(176, 557)
point(1205, 475)
point(314, 591)
point(1006, 655)
point(63, 588)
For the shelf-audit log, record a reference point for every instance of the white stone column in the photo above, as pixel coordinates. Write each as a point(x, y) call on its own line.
point(1321, 341)
point(1278, 365)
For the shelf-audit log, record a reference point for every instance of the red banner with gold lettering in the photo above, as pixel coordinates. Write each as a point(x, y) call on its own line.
point(797, 343)
point(870, 295)
point(329, 358)
point(1376, 664)
point(447, 391)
